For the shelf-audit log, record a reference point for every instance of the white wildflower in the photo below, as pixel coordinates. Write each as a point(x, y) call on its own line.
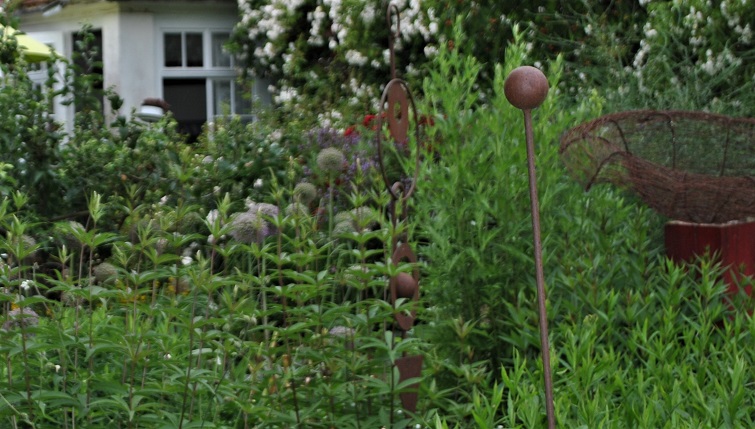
point(430, 51)
point(355, 58)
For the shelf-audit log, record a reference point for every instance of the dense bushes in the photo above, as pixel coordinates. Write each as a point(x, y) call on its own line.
point(333, 53)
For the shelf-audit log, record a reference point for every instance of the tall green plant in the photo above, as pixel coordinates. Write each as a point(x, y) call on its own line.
point(473, 207)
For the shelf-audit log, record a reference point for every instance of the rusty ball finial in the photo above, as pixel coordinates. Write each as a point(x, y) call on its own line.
point(526, 87)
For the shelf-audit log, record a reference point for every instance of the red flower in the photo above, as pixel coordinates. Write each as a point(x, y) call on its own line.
point(368, 120)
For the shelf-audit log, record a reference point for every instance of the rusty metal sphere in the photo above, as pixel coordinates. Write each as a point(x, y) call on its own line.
point(406, 286)
point(526, 87)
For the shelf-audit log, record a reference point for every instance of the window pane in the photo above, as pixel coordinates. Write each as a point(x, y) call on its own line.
point(194, 52)
point(220, 58)
point(222, 93)
point(172, 46)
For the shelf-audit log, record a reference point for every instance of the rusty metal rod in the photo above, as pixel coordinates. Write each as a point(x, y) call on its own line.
point(539, 276)
point(526, 88)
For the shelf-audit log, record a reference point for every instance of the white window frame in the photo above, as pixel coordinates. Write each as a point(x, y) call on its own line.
point(208, 72)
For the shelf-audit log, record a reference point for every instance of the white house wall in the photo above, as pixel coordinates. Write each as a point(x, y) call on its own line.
point(132, 40)
point(133, 70)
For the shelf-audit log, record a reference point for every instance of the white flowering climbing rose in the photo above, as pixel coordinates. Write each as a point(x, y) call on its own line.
point(280, 38)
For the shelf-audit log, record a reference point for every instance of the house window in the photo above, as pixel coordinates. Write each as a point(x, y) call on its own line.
point(229, 98)
point(199, 80)
point(184, 49)
point(220, 58)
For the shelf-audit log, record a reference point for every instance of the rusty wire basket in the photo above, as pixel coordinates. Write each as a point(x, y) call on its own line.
point(689, 166)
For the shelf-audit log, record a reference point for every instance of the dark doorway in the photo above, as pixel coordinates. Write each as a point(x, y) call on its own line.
point(188, 103)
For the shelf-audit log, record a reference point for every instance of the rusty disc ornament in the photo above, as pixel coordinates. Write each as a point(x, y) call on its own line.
point(398, 111)
point(395, 104)
point(397, 107)
point(409, 367)
point(405, 285)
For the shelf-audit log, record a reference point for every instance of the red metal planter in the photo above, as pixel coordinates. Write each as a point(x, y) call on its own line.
point(734, 242)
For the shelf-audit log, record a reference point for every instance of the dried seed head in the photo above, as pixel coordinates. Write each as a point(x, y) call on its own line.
point(305, 193)
point(249, 228)
point(331, 160)
point(343, 228)
point(105, 273)
point(23, 316)
point(297, 209)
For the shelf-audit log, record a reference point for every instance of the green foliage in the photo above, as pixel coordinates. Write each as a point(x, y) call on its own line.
point(274, 337)
point(476, 220)
point(177, 319)
point(29, 138)
point(240, 159)
point(668, 353)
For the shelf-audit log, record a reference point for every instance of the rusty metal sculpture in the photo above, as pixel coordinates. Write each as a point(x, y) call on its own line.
point(689, 166)
point(526, 88)
point(396, 104)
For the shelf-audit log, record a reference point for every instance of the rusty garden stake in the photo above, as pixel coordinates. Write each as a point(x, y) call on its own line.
point(526, 88)
point(396, 104)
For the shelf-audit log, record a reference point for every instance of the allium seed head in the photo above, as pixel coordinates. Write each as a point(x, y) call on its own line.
point(264, 209)
point(105, 272)
point(249, 228)
point(343, 228)
point(65, 231)
point(344, 216)
point(305, 192)
point(26, 243)
point(359, 218)
point(297, 209)
point(331, 160)
point(21, 316)
point(363, 217)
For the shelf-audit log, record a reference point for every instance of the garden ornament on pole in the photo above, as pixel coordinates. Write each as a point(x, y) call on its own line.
point(526, 88)
point(395, 106)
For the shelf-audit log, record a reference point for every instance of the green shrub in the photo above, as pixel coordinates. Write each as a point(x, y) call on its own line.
point(472, 207)
point(238, 158)
point(30, 141)
point(693, 55)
